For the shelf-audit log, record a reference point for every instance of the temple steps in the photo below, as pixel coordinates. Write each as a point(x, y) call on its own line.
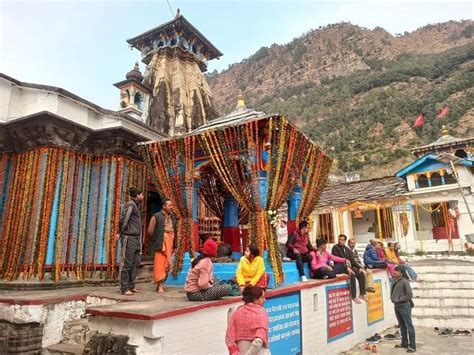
point(445, 297)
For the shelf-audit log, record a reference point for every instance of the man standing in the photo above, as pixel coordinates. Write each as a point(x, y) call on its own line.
point(163, 231)
point(401, 296)
point(130, 234)
point(342, 251)
point(369, 277)
point(299, 246)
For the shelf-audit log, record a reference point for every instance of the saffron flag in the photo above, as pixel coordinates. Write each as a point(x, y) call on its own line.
point(443, 113)
point(419, 121)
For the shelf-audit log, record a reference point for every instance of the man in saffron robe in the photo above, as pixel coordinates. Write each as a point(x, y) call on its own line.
point(163, 231)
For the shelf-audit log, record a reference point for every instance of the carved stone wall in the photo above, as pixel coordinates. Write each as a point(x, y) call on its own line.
point(181, 98)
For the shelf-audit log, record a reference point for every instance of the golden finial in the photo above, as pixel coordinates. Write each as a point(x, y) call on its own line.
point(240, 101)
point(444, 130)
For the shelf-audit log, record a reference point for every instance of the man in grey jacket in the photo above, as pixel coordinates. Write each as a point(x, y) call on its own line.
point(402, 297)
point(130, 234)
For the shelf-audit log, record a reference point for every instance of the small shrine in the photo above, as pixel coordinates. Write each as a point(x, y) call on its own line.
point(243, 167)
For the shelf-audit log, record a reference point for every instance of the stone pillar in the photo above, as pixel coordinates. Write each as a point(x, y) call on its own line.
point(293, 207)
point(230, 226)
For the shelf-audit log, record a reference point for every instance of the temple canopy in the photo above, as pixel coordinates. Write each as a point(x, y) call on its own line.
point(258, 159)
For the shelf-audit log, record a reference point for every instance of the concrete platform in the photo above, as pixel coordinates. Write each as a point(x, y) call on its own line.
point(428, 343)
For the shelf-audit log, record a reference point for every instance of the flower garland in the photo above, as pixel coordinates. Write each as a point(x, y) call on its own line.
point(172, 163)
point(29, 183)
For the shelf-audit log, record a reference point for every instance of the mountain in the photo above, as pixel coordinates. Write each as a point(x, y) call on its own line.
point(357, 91)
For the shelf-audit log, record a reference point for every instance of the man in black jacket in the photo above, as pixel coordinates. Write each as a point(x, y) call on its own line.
point(401, 296)
point(163, 232)
point(343, 251)
point(130, 234)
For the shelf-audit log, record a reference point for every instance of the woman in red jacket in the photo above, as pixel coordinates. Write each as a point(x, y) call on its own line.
point(248, 327)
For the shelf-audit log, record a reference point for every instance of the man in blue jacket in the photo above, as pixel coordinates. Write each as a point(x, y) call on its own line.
point(371, 258)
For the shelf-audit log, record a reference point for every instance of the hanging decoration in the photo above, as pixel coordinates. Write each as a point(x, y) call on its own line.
point(59, 211)
point(172, 162)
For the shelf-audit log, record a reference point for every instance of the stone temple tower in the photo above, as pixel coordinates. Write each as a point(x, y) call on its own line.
point(176, 55)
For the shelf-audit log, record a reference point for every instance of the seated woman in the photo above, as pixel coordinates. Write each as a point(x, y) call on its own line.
point(247, 331)
point(200, 284)
point(392, 256)
point(251, 269)
point(382, 256)
point(322, 269)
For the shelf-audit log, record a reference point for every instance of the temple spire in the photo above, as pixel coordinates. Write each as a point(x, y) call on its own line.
point(240, 102)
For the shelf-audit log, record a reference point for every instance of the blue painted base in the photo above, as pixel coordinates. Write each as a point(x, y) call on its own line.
point(226, 271)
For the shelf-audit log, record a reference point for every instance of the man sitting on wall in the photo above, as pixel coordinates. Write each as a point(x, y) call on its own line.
point(369, 278)
point(371, 257)
point(342, 251)
point(299, 247)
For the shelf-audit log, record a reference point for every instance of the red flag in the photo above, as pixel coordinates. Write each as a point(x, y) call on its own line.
point(419, 121)
point(443, 113)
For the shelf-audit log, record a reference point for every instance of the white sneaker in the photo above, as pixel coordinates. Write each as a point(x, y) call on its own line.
point(304, 279)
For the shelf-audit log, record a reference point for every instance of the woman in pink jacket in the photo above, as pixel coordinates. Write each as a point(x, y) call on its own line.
point(200, 283)
point(320, 267)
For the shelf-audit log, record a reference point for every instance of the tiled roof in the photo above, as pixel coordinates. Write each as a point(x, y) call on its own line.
point(362, 191)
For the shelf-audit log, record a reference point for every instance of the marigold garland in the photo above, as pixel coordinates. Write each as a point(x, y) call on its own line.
point(28, 184)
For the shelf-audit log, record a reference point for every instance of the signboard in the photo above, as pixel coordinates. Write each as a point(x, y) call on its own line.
point(375, 305)
point(285, 324)
point(339, 312)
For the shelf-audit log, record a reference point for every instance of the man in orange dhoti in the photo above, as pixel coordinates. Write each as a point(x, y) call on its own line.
point(163, 231)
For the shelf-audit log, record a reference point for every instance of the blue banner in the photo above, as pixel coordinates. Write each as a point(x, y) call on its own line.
point(285, 324)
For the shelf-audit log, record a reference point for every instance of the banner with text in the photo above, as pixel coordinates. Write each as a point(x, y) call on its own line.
point(339, 312)
point(285, 323)
point(375, 305)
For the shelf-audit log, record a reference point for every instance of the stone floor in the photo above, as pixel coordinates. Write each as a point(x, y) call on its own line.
point(428, 343)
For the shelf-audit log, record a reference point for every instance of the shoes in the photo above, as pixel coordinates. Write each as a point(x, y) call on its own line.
point(304, 279)
point(446, 332)
point(370, 289)
point(395, 336)
point(374, 339)
point(286, 259)
point(462, 332)
point(134, 290)
point(128, 293)
point(411, 350)
point(401, 346)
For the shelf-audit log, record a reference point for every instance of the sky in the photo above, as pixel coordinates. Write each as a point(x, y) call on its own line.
point(80, 45)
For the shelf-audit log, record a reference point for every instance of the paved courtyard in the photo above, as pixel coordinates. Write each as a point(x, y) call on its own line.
point(428, 342)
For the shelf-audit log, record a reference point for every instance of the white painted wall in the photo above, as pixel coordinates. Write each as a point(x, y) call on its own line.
point(17, 102)
point(203, 332)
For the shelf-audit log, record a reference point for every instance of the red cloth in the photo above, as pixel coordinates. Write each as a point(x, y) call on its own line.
point(381, 254)
point(444, 112)
point(419, 122)
point(248, 322)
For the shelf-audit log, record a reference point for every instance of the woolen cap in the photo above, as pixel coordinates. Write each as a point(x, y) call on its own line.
point(210, 247)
